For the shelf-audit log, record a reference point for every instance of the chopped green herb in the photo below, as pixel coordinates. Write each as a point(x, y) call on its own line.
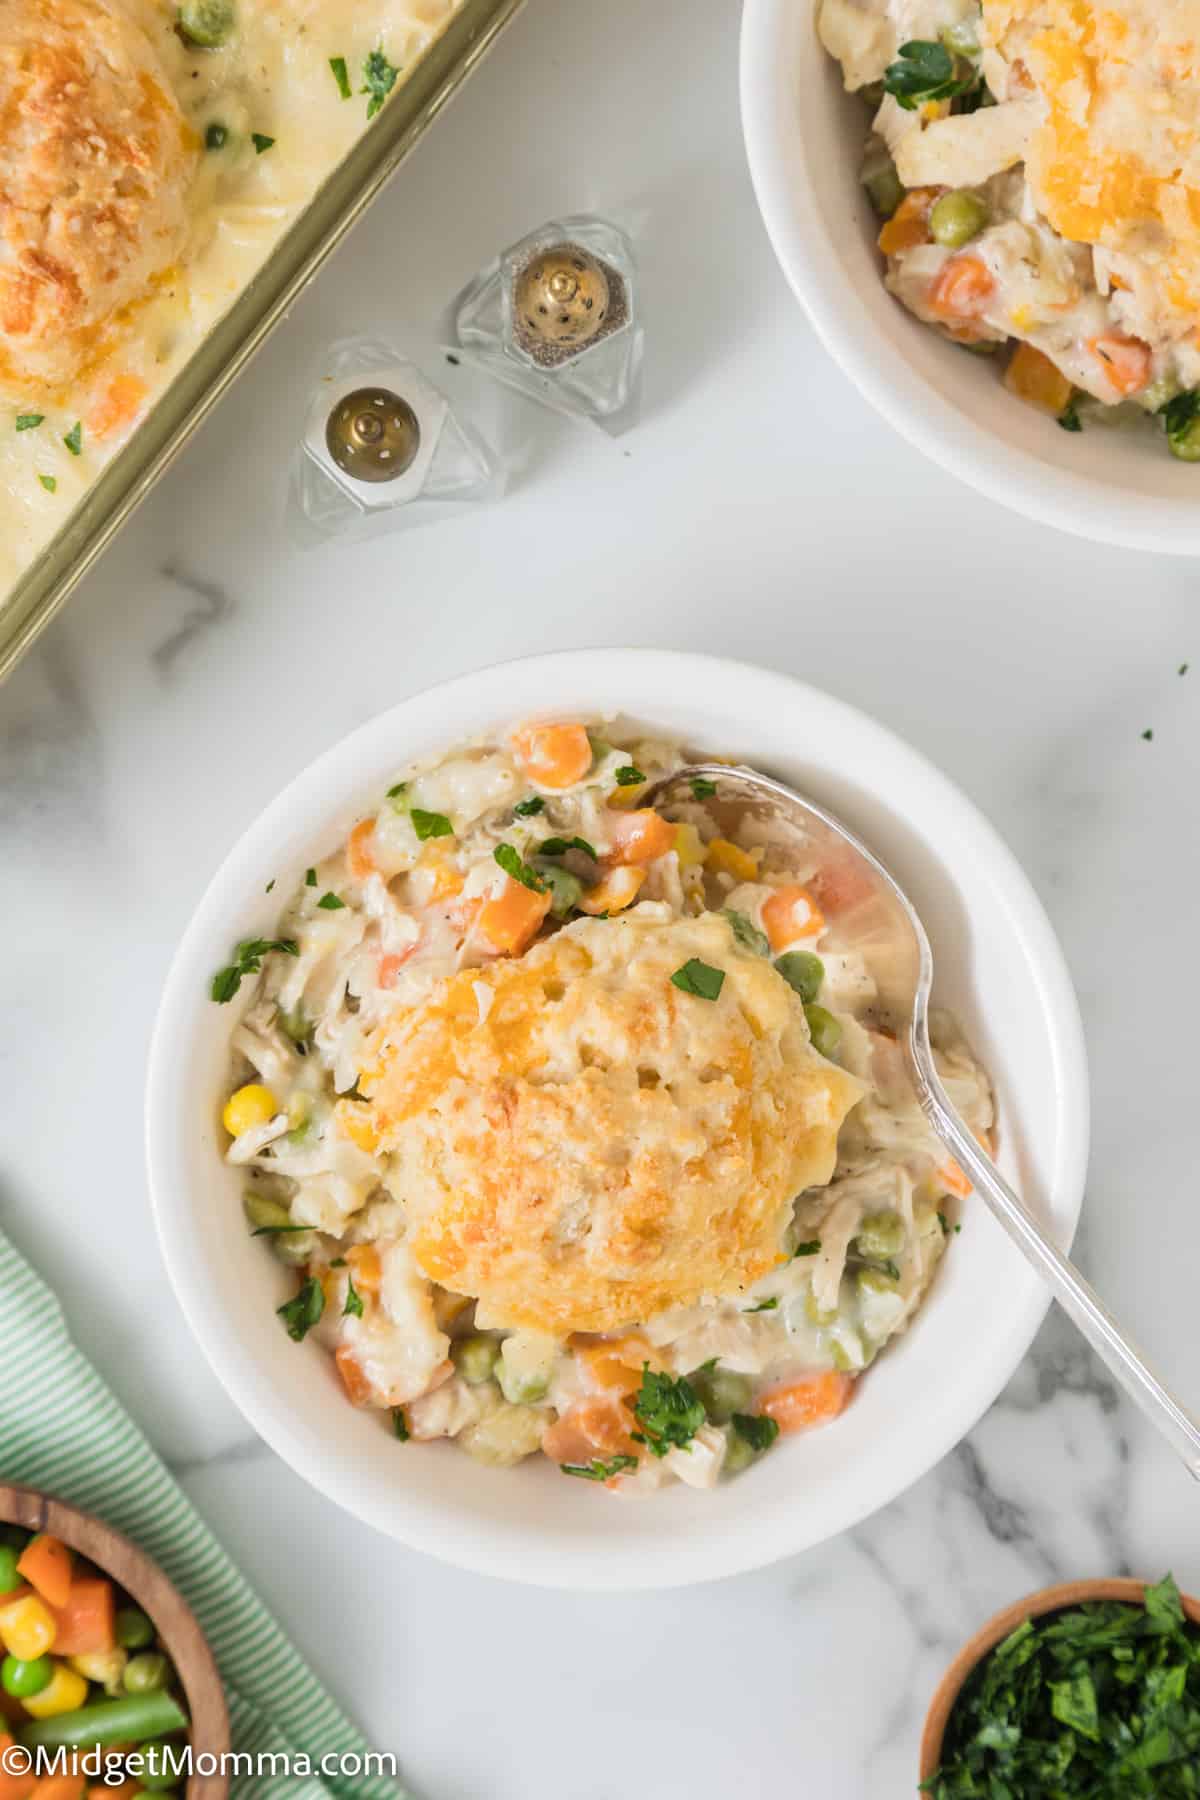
point(331, 903)
point(668, 1411)
point(763, 1306)
point(746, 934)
point(310, 878)
point(702, 787)
point(630, 776)
point(29, 421)
point(400, 1424)
point(946, 1226)
point(278, 1230)
point(49, 483)
point(513, 864)
point(339, 1262)
point(1148, 734)
point(260, 142)
point(1180, 414)
point(247, 960)
point(810, 1248)
point(699, 978)
point(1068, 418)
point(379, 78)
point(354, 1306)
point(924, 70)
point(430, 824)
point(341, 75)
point(269, 885)
point(596, 1470)
point(757, 1431)
point(1182, 669)
point(525, 809)
point(302, 1313)
point(394, 793)
point(74, 439)
point(216, 136)
point(557, 846)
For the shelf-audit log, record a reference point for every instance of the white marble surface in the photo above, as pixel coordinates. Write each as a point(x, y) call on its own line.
point(760, 510)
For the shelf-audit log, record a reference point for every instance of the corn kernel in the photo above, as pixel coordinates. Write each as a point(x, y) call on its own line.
point(103, 1666)
point(64, 1692)
point(624, 799)
point(27, 1628)
point(731, 860)
point(689, 847)
point(1033, 378)
point(251, 1105)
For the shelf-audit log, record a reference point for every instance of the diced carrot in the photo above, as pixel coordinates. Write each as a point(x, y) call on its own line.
point(810, 1401)
point(360, 858)
point(615, 1364)
point(731, 859)
point(790, 913)
point(624, 799)
point(358, 1388)
point(59, 1787)
point(128, 1790)
point(356, 1121)
point(365, 1267)
point(961, 288)
point(12, 1787)
point(45, 1563)
point(1033, 378)
point(614, 892)
point(953, 1179)
point(1126, 360)
point(85, 1623)
point(445, 879)
point(512, 918)
point(391, 963)
point(598, 1426)
point(641, 837)
point(840, 885)
point(909, 224)
point(555, 756)
point(118, 406)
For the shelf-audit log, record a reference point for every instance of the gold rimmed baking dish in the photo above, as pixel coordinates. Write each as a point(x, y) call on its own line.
point(41, 589)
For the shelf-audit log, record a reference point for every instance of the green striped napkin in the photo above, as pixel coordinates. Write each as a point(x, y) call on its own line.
point(85, 1448)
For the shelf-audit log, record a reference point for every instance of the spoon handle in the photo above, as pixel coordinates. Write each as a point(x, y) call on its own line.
point(1119, 1355)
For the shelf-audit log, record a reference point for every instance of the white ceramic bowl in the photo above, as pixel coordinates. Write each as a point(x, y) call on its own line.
point(999, 967)
point(804, 138)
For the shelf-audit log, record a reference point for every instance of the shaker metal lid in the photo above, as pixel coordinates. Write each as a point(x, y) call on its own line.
point(562, 295)
point(373, 434)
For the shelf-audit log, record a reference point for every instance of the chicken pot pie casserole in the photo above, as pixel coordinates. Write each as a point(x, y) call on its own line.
point(1037, 166)
point(151, 153)
point(579, 1125)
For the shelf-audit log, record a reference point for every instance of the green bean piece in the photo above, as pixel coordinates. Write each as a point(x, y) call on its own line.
point(131, 1719)
point(207, 23)
point(264, 1215)
point(146, 1673)
point(721, 1392)
point(24, 1679)
point(824, 1030)
point(802, 971)
point(475, 1358)
point(9, 1579)
point(880, 1235)
point(155, 1772)
point(133, 1629)
point(958, 217)
point(885, 190)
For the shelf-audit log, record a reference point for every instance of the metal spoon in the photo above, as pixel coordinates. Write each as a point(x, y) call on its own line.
point(887, 931)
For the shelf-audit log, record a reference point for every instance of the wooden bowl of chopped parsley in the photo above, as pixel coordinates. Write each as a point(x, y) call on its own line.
point(1090, 1688)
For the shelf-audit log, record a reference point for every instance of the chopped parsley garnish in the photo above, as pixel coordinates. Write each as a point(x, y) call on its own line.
point(1100, 1700)
point(1182, 669)
point(216, 136)
point(430, 824)
point(630, 776)
point(596, 1470)
point(513, 864)
point(400, 1424)
point(888, 1268)
point(247, 960)
point(746, 934)
point(49, 483)
point(339, 1262)
point(74, 439)
point(763, 1306)
point(702, 787)
point(341, 75)
point(811, 1248)
point(269, 885)
point(379, 78)
point(302, 1313)
point(946, 1226)
point(354, 1306)
point(924, 70)
point(330, 903)
point(394, 793)
point(1148, 734)
point(310, 878)
point(1180, 414)
point(756, 1430)
point(1069, 418)
point(557, 846)
point(699, 978)
point(29, 421)
point(525, 809)
point(668, 1411)
point(278, 1230)
point(260, 142)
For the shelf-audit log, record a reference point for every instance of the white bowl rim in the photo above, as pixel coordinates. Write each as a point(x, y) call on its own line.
point(1054, 495)
point(698, 1557)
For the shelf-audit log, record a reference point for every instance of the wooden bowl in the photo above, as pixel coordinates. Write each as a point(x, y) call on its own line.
point(172, 1618)
point(1051, 1599)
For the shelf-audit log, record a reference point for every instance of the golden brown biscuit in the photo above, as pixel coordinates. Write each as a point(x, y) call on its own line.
point(580, 1144)
point(95, 164)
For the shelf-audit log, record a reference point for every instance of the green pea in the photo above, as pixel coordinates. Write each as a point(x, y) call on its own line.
point(566, 890)
point(961, 39)
point(155, 1773)
point(208, 23)
point(147, 1673)
point(802, 971)
point(880, 1235)
point(133, 1629)
point(262, 1214)
point(522, 1387)
point(958, 217)
point(24, 1679)
point(1185, 444)
point(294, 1248)
point(824, 1030)
point(721, 1393)
point(9, 1579)
point(475, 1358)
point(739, 1454)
